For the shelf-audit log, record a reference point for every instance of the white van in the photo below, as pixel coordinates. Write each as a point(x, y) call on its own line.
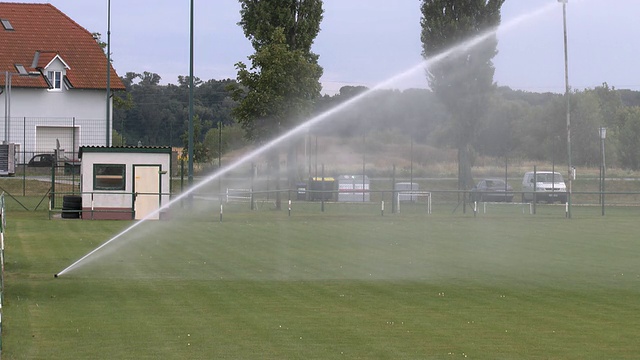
point(547, 186)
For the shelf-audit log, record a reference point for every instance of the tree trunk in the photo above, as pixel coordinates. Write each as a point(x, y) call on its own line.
point(465, 180)
point(274, 173)
point(292, 164)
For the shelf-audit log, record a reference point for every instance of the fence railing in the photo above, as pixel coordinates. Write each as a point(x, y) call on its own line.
point(51, 185)
point(87, 205)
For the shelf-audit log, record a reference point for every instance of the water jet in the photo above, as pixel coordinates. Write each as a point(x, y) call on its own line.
point(304, 127)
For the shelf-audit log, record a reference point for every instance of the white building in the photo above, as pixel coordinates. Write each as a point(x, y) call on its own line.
point(54, 81)
point(124, 183)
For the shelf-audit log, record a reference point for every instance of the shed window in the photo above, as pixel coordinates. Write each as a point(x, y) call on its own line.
point(108, 176)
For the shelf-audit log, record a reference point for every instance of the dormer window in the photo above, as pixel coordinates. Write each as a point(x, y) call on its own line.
point(21, 69)
point(6, 24)
point(55, 79)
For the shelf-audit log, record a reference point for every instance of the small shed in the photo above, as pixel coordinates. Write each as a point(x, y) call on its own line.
point(124, 183)
point(321, 188)
point(353, 188)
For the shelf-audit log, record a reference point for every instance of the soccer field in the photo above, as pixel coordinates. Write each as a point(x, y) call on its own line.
point(333, 285)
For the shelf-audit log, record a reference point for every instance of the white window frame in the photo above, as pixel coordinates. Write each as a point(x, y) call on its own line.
point(109, 177)
point(55, 78)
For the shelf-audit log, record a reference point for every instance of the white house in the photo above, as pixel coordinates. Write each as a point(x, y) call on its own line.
point(124, 183)
point(54, 82)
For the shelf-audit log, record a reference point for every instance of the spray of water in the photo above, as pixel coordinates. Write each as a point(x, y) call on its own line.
point(304, 127)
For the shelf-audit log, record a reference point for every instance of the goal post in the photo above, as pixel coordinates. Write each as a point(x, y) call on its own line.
point(413, 197)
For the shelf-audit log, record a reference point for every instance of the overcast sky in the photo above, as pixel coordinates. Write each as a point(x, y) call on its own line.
point(365, 42)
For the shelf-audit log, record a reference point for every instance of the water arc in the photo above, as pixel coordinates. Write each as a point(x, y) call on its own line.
point(303, 127)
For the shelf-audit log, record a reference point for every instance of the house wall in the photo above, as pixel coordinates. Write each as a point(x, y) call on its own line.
point(122, 201)
point(84, 110)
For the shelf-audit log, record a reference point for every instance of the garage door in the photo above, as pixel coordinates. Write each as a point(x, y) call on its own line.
point(47, 138)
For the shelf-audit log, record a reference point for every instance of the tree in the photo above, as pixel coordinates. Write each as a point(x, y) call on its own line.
point(586, 118)
point(299, 19)
point(155, 114)
point(221, 140)
point(464, 80)
point(279, 88)
point(609, 101)
point(629, 149)
point(141, 121)
point(496, 134)
point(117, 139)
point(284, 78)
point(200, 151)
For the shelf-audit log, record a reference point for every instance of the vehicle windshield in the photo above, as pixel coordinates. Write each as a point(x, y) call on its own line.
point(553, 177)
point(494, 183)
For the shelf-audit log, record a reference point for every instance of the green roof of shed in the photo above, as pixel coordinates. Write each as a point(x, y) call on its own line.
point(125, 149)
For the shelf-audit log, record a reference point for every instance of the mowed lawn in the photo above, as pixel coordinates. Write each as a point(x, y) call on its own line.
point(339, 284)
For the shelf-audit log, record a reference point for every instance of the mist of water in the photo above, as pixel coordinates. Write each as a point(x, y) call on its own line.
point(304, 127)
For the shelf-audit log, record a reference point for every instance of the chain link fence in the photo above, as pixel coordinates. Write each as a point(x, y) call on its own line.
point(43, 160)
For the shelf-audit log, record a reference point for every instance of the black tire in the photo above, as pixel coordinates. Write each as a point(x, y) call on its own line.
point(72, 200)
point(71, 206)
point(70, 215)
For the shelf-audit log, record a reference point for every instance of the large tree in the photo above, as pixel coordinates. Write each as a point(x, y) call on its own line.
point(280, 87)
point(155, 113)
point(463, 80)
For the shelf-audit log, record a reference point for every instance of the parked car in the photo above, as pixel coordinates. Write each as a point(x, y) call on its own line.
point(492, 190)
point(42, 160)
point(547, 186)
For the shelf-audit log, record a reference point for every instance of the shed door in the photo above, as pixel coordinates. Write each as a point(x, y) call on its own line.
point(147, 186)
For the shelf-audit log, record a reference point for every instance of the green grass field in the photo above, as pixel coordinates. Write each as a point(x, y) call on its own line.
point(343, 284)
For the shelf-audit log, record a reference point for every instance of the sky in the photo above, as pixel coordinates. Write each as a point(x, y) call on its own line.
point(366, 42)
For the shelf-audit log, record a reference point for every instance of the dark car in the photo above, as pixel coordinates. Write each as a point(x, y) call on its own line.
point(492, 190)
point(42, 160)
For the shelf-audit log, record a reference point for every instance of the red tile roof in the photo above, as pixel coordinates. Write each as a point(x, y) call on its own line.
point(44, 28)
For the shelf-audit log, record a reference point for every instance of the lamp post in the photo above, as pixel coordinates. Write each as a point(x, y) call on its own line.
point(7, 105)
point(108, 101)
point(566, 95)
point(603, 135)
point(191, 130)
point(220, 157)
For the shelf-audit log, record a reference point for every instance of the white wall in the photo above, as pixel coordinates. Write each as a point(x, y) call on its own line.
point(55, 108)
point(85, 104)
point(114, 199)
